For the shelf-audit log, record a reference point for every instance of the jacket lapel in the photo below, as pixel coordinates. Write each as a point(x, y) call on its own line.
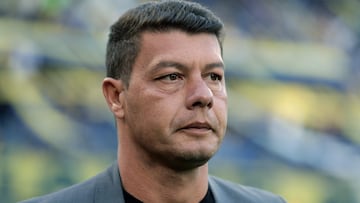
point(108, 187)
point(218, 191)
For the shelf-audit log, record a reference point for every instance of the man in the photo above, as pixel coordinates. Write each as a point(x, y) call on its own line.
point(165, 86)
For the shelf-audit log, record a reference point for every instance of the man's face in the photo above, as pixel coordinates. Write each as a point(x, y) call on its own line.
point(176, 102)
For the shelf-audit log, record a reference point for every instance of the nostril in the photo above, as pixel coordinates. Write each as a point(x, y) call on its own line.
point(203, 103)
point(198, 103)
point(210, 104)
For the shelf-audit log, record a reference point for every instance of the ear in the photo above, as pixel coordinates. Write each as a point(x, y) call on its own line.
point(113, 91)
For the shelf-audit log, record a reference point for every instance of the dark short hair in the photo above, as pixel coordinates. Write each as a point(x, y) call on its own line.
point(124, 38)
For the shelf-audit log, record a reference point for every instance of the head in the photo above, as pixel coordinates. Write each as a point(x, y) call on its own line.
point(124, 38)
point(166, 83)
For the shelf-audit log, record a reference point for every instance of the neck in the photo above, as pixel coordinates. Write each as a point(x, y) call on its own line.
point(151, 182)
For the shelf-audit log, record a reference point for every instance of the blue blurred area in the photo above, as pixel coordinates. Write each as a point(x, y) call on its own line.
point(292, 71)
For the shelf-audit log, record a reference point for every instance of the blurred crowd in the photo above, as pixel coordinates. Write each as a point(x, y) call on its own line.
point(292, 71)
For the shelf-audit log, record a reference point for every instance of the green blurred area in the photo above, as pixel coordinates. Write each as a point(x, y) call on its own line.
point(292, 73)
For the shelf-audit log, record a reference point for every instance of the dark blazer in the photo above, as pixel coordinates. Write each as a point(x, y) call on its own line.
point(106, 188)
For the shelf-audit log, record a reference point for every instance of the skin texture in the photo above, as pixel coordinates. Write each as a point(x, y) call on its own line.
point(172, 117)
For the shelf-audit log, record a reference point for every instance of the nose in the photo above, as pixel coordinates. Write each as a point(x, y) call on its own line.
point(199, 95)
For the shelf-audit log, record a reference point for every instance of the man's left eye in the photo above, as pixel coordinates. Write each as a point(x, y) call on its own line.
point(215, 76)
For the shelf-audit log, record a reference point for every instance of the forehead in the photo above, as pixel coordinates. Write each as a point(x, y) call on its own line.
point(179, 45)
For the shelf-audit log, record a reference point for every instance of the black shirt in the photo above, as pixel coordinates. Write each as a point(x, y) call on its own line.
point(209, 198)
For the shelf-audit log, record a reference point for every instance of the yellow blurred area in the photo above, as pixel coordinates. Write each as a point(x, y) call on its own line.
point(31, 173)
point(302, 187)
point(68, 88)
point(319, 108)
point(295, 102)
point(28, 169)
point(292, 73)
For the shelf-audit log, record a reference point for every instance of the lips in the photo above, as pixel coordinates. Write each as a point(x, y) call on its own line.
point(197, 128)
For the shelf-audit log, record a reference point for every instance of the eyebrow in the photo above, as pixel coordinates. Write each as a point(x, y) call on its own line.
point(215, 65)
point(166, 64)
point(180, 66)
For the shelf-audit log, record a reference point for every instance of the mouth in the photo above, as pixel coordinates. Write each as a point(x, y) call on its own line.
point(197, 128)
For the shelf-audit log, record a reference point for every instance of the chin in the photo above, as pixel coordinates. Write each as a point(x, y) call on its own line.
point(190, 160)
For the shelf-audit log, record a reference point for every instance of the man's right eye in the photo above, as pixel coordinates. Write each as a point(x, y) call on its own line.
point(170, 77)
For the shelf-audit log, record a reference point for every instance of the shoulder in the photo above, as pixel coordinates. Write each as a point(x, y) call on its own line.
point(226, 191)
point(76, 193)
point(82, 192)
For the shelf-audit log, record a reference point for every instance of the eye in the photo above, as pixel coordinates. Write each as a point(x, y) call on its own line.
point(215, 77)
point(170, 77)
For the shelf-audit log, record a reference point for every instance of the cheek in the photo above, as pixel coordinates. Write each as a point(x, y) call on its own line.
point(149, 109)
point(221, 111)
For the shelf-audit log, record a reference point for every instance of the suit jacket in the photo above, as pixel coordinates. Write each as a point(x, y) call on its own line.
point(106, 188)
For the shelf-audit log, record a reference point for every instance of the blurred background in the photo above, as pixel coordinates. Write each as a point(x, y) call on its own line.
point(293, 70)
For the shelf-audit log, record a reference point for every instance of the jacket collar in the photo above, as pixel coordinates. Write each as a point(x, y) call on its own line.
point(109, 188)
